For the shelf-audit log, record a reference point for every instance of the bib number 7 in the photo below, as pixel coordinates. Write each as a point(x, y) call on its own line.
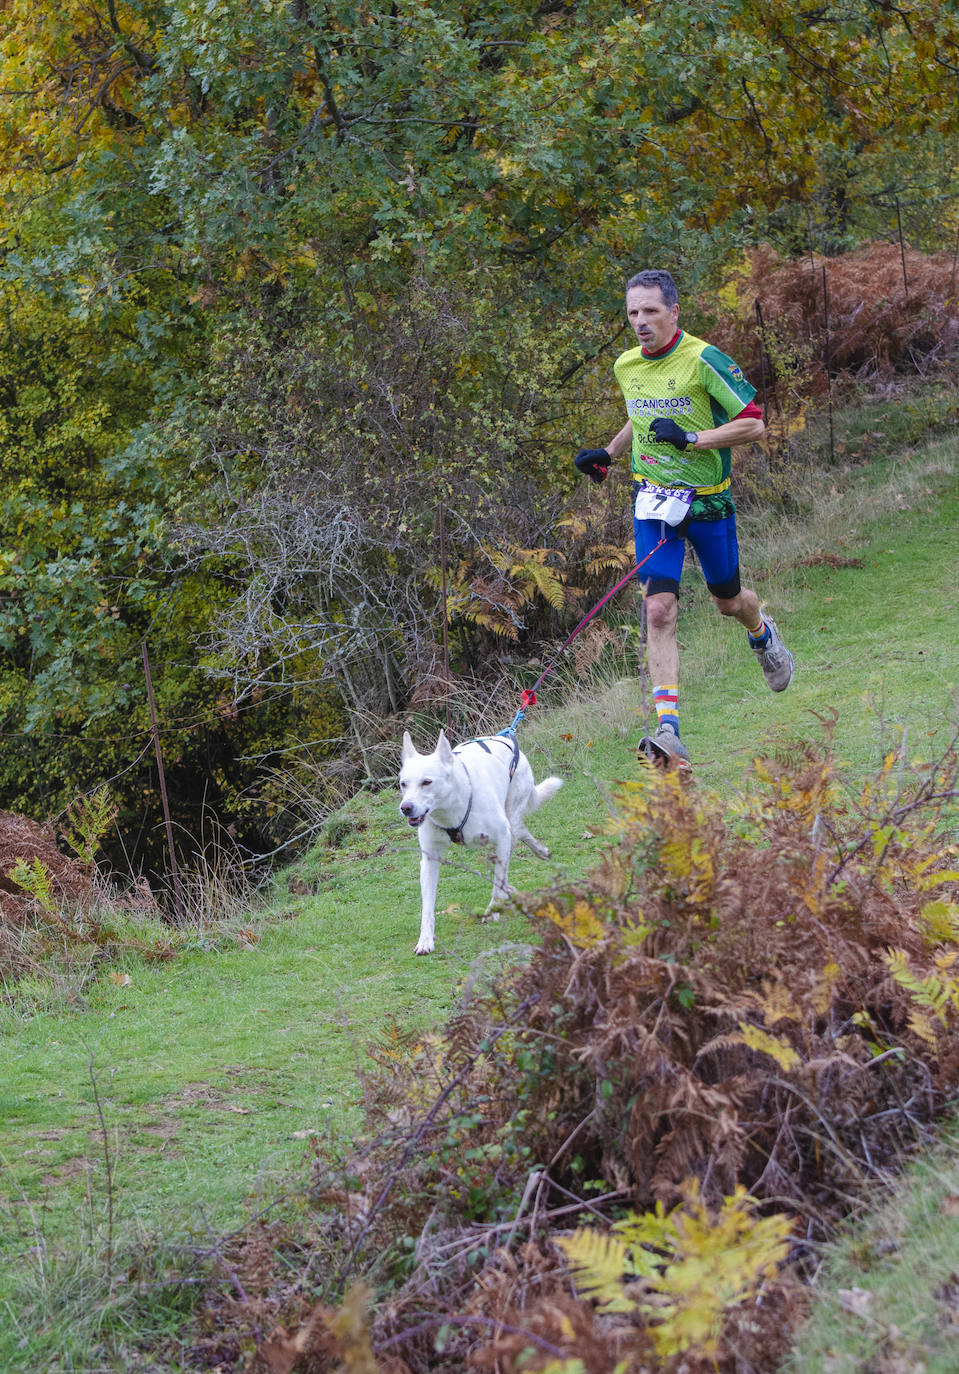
point(663, 503)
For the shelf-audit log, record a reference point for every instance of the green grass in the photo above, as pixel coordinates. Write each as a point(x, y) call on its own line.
point(888, 1295)
point(213, 1069)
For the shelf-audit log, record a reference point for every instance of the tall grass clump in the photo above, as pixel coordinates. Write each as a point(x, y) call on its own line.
point(65, 920)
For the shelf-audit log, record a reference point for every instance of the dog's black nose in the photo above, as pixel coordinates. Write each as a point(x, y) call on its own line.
point(406, 808)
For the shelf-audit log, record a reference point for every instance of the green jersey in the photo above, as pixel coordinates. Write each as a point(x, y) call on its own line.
point(693, 384)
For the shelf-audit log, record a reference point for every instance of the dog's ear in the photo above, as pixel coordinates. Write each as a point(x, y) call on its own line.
point(443, 750)
point(408, 748)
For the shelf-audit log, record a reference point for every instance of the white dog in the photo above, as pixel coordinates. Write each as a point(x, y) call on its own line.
point(477, 793)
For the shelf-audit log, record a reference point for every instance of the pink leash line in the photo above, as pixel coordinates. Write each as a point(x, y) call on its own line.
point(529, 695)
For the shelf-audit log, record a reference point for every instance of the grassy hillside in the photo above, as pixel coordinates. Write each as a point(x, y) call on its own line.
point(887, 1297)
point(170, 1100)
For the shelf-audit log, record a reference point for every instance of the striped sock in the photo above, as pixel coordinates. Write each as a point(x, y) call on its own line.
point(758, 635)
point(666, 700)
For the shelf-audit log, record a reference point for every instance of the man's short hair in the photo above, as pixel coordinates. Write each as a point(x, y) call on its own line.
point(655, 277)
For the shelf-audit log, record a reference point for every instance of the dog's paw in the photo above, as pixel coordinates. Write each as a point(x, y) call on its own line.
point(424, 947)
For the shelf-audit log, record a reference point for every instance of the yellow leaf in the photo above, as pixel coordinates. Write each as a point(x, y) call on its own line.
point(581, 926)
point(939, 879)
point(757, 1039)
point(940, 921)
point(921, 1025)
point(778, 1004)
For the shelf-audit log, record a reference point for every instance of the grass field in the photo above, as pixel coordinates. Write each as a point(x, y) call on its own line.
point(172, 1100)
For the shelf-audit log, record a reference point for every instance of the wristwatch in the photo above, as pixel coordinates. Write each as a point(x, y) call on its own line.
point(691, 437)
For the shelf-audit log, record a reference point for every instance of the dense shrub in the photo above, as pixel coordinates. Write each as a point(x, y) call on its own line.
point(879, 310)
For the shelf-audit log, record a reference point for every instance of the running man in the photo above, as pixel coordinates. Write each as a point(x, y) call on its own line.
point(688, 405)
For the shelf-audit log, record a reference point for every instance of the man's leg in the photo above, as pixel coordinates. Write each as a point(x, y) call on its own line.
point(744, 607)
point(764, 639)
point(660, 574)
point(662, 651)
point(662, 661)
point(718, 553)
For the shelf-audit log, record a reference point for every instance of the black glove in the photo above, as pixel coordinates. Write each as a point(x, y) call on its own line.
point(668, 432)
point(594, 462)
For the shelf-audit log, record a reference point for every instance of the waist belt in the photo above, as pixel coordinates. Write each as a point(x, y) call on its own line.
point(711, 491)
point(724, 485)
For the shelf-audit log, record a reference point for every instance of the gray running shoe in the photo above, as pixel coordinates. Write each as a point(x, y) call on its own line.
point(667, 740)
point(775, 660)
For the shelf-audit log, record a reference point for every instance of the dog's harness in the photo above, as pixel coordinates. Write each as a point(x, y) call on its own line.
point(510, 741)
point(456, 832)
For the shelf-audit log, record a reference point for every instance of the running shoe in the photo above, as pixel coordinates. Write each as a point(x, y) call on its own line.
point(775, 659)
point(667, 744)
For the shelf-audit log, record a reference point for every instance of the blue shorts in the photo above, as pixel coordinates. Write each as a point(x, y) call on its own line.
point(714, 542)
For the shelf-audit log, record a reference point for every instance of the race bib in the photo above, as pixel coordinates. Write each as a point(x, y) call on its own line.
point(663, 503)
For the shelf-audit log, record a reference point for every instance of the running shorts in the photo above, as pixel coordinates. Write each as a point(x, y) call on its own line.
point(715, 545)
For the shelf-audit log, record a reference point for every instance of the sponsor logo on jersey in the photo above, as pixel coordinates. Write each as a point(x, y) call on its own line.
point(647, 458)
point(640, 405)
point(736, 372)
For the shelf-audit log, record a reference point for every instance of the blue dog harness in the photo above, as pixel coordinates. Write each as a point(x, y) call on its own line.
point(456, 832)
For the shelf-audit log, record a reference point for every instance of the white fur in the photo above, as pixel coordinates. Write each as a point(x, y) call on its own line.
point(436, 790)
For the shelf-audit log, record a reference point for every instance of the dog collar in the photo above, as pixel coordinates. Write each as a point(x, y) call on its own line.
point(456, 832)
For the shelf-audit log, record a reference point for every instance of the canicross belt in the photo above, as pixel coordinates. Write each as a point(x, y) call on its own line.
point(681, 486)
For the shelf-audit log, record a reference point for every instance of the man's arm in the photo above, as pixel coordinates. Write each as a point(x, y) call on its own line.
point(745, 429)
point(594, 462)
point(622, 442)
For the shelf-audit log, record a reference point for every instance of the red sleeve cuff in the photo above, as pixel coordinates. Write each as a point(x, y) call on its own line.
point(750, 412)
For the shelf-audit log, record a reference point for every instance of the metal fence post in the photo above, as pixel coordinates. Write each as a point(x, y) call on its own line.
point(174, 869)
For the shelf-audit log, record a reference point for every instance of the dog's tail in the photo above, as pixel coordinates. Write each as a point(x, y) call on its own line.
point(546, 789)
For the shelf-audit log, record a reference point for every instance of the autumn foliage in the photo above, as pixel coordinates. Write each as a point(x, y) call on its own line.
point(276, 278)
point(744, 1016)
point(881, 309)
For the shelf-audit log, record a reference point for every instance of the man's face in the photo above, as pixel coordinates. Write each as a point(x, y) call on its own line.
point(652, 319)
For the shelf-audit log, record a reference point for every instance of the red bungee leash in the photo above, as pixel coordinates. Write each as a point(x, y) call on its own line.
point(529, 695)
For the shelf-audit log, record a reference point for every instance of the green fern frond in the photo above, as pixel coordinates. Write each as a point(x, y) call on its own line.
point(697, 1265)
point(547, 582)
point(933, 993)
point(940, 922)
point(88, 820)
point(599, 1262)
point(35, 879)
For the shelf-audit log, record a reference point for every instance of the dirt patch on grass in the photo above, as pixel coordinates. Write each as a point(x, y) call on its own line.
point(193, 1095)
point(164, 1130)
point(66, 1172)
point(830, 560)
